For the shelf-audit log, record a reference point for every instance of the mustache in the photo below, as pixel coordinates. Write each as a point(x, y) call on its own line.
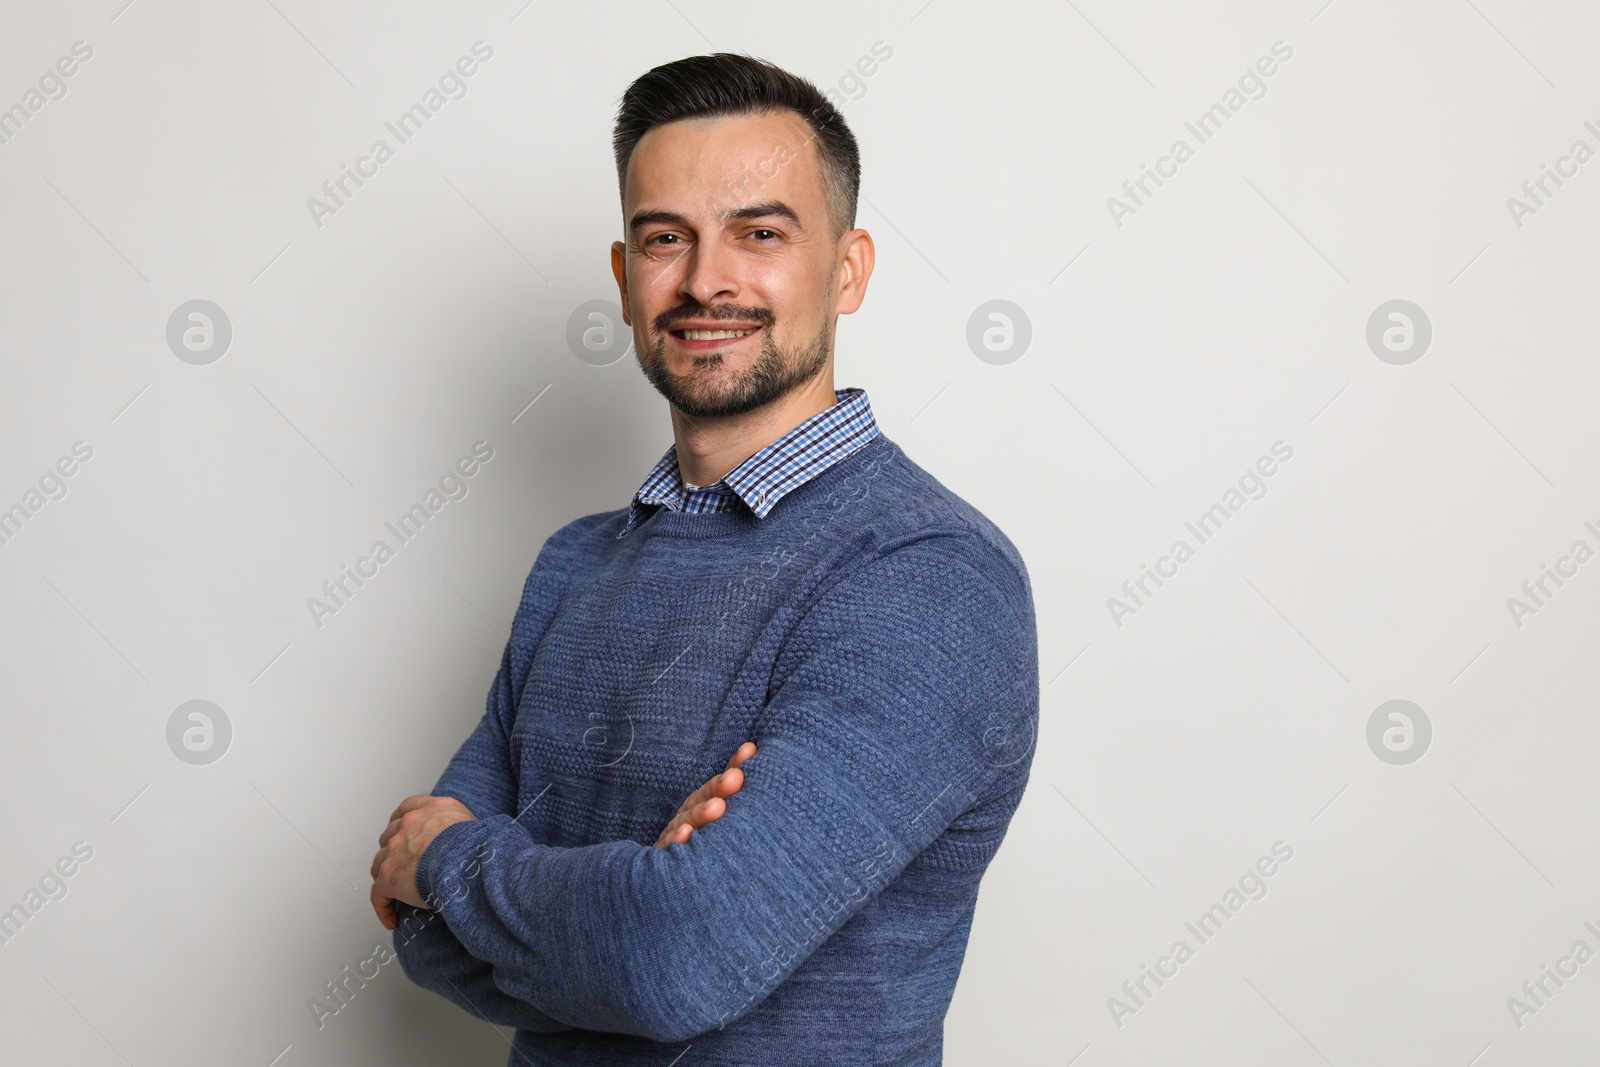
point(721, 312)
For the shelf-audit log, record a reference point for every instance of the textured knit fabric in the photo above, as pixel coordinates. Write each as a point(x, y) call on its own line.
point(813, 446)
point(874, 635)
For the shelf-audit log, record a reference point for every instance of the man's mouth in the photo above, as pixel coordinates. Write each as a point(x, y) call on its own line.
point(701, 338)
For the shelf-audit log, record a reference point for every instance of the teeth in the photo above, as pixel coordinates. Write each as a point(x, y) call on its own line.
point(714, 335)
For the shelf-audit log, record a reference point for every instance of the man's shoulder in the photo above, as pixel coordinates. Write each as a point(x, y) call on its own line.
point(912, 506)
point(574, 545)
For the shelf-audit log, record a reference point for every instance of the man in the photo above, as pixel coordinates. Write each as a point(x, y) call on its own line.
point(786, 586)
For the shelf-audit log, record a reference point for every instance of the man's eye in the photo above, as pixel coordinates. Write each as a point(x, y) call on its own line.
point(663, 238)
point(757, 234)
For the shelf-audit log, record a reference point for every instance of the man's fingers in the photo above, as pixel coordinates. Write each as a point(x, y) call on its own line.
point(676, 832)
point(384, 906)
point(412, 803)
point(727, 783)
point(702, 814)
point(721, 787)
point(718, 788)
point(408, 804)
point(708, 803)
point(700, 796)
point(691, 818)
point(708, 812)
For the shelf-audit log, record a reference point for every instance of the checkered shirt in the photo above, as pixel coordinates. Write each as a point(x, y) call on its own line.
point(762, 480)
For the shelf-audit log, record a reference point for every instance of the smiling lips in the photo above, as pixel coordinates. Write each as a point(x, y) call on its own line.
point(701, 338)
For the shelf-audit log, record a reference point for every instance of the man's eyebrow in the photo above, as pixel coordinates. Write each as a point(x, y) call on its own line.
point(651, 218)
point(763, 210)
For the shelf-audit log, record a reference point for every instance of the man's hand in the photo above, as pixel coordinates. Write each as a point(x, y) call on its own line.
point(708, 803)
point(412, 828)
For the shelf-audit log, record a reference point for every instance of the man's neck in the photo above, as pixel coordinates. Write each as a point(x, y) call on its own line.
point(709, 448)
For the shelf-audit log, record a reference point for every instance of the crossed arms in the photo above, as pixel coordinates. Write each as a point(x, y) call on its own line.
point(438, 953)
point(895, 687)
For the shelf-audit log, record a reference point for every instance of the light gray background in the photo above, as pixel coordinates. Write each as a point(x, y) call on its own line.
point(1168, 353)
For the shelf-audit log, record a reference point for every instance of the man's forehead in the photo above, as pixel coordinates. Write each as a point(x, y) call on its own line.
point(752, 127)
point(711, 164)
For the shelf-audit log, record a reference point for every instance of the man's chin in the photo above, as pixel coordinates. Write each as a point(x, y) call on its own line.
point(701, 405)
point(706, 382)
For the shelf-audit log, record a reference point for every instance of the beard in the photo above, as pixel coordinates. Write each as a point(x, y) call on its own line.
point(710, 390)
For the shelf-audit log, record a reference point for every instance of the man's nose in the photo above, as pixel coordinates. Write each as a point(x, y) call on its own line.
point(710, 274)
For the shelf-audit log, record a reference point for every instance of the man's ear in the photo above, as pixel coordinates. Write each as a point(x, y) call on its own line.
point(620, 269)
point(855, 268)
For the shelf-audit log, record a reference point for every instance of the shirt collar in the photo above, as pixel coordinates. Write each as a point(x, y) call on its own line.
point(804, 452)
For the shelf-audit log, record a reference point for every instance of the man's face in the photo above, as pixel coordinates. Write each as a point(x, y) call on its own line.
point(729, 232)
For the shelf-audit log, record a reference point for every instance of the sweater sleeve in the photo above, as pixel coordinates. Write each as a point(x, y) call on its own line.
point(481, 776)
point(897, 703)
point(433, 957)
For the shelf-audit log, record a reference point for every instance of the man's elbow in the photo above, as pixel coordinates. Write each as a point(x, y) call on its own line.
point(427, 958)
point(672, 1023)
point(617, 1000)
point(674, 1001)
point(416, 963)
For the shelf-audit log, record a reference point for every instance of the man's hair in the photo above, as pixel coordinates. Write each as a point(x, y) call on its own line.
point(730, 84)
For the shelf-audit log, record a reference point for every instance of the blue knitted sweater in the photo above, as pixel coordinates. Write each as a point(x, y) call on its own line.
point(874, 635)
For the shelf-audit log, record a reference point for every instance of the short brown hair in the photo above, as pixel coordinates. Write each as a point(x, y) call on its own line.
point(727, 83)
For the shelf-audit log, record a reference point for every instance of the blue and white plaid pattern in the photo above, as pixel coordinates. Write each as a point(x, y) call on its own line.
point(762, 480)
